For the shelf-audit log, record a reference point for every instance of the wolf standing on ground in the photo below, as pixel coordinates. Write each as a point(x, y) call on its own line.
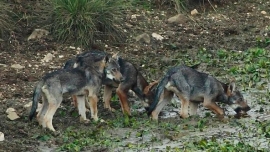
point(83, 80)
point(132, 80)
point(193, 87)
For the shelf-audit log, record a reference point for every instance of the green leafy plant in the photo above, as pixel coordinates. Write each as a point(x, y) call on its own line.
point(87, 21)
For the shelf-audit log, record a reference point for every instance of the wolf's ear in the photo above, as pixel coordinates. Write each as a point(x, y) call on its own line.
point(79, 62)
point(115, 56)
point(231, 87)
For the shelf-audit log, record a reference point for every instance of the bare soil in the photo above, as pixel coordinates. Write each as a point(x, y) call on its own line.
point(233, 26)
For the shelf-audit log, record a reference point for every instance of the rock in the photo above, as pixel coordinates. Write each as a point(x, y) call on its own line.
point(47, 58)
point(157, 36)
point(263, 12)
point(194, 12)
point(179, 19)
point(3, 65)
point(9, 110)
point(13, 116)
point(38, 33)
point(145, 37)
point(28, 106)
point(17, 66)
point(134, 16)
point(2, 137)
point(72, 47)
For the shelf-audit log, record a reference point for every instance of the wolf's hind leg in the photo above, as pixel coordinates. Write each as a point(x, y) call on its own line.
point(43, 110)
point(165, 98)
point(193, 106)
point(54, 101)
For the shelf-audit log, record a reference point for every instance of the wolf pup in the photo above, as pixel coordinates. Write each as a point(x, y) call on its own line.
point(132, 80)
point(112, 70)
point(83, 80)
point(193, 87)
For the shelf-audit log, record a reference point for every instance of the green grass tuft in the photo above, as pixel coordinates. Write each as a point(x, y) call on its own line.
point(87, 21)
point(6, 21)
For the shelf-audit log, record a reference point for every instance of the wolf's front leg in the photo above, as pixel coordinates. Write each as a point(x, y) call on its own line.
point(81, 108)
point(93, 106)
point(107, 98)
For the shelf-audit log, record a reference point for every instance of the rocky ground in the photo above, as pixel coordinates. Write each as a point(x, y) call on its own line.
point(153, 45)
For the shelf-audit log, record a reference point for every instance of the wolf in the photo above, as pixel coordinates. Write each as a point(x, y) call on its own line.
point(132, 80)
point(83, 80)
point(193, 87)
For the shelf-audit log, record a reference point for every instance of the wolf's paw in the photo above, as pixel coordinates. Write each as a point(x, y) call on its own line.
point(183, 115)
point(95, 118)
point(109, 108)
point(154, 116)
point(82, 120)
point(112, 109)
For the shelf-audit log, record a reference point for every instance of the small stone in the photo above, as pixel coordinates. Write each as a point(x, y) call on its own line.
point(2, 137)
point(13, 116)
point(180, 19)
point(72, 47)
point(134, 16)
point(17, 66)
point(29, 105)
point(47, 58)
point(157, 36)
point(194, 12)
point(145, 37)
point(263, 12)
point(9, 110)
point(38, 33)
point(3, 65)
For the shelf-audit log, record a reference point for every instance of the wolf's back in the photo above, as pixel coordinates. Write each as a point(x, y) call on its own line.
point(36, 95)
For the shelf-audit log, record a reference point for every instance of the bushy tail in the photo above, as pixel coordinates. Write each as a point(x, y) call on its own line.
point(36, 95)
point(159, 91)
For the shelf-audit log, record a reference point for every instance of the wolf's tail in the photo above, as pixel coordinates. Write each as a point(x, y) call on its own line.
point(159, 91)
point(36, 95)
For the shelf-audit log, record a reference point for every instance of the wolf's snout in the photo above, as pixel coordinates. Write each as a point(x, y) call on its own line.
point(247, 108)
point(122, 79)
point(119, 78)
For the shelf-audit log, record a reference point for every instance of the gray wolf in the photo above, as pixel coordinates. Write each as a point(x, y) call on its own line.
point(83, 80)
point(132, 80)
point(193, 87)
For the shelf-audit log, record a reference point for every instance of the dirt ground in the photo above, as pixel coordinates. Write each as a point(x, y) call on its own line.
point(233, 26)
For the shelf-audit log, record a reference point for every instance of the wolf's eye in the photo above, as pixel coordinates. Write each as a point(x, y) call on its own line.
point(114, 69)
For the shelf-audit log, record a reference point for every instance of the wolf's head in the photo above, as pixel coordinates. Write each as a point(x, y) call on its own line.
point(236, 99)
point(149, 93)
point(112, 69)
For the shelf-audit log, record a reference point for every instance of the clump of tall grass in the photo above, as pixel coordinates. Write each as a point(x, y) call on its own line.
point(6, 21)
point(83, 22)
